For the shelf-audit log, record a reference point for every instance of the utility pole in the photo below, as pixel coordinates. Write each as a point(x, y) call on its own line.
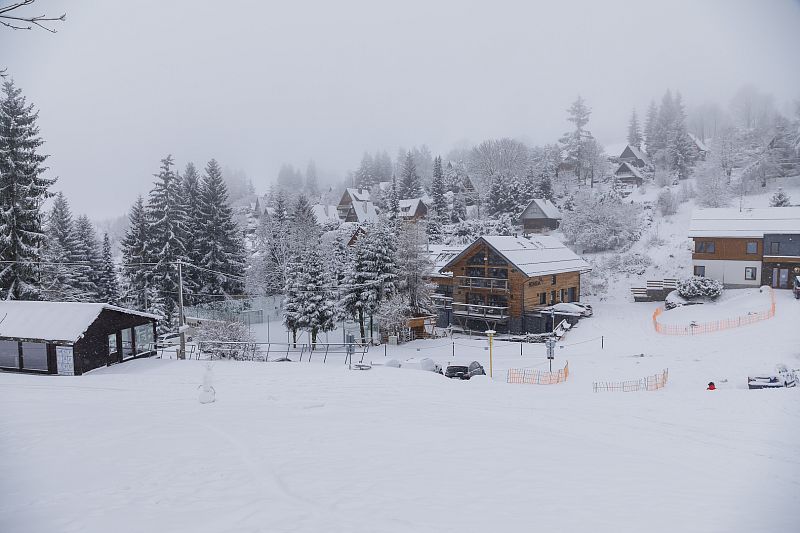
point(181, 318)
point(490, 333)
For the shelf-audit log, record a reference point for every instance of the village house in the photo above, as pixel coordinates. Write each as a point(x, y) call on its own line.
point(505, 283)
point(350, 196)
point(325, 214)
point(748, 247)
point(70, 338)
point(628, 176)
point(412, 209)
point(698, 147)
point(540, 215)
point(635, 157)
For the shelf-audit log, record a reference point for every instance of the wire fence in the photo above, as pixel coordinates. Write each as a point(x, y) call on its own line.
point(695, 328)
point(533, 376)
point(281, 351)
point(649, 383)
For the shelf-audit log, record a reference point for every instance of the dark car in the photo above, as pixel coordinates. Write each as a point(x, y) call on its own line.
point(465, 371)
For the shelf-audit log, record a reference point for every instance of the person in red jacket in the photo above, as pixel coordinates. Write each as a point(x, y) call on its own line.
point(711, 386)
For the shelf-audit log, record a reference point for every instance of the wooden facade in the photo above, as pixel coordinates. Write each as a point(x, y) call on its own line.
point(733, 249)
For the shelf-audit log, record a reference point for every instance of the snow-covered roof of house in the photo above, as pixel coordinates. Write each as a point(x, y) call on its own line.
point(533, 256)
point(325, 213)
point(700, 144)
point(632, 169)
point(385, 185)
point(441, 254)
point(409, 206)
point(365, 211)
point(359, 195)
point(545, 208)
point(754, 222)
point(53, 321)
point(635, 151)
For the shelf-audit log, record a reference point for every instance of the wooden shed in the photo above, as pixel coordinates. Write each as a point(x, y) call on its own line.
point(70, 338)
point(541, 214)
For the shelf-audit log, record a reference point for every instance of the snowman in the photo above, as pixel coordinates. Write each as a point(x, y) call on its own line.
point(207, 393)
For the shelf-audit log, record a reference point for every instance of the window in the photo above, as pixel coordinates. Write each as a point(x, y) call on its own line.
point(112, 344)
point(475, 272)
point(562, 295)
point(9, 354)
point(476, 259)
point(553, 280)
point(704, 247)
point(542, 298)
point(494, 258)
point(500, 273)
point(775, 248)
point(750, 273)
point(34, 355)
point(752, 247)
point(474, 298)
point(144, 336)
point(571, 294)
point(700, 271)
point(127, 343)
point(552, 297)
point(497, 300)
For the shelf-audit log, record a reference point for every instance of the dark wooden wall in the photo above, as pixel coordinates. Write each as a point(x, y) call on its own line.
point(91, 351)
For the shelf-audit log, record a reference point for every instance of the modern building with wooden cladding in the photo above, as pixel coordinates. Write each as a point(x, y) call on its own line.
point(70, 338)
point(747, 247)
point(504, 283)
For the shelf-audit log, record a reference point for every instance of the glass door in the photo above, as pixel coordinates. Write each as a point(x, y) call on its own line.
point(783, 278)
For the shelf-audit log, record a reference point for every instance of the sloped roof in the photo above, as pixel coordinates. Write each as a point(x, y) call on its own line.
point(700, 144)
point(325, 213)
point(636, 152)
point(441, 254)
point(53, 321)
point(632, 169)
point(365, 211)
point(755, 222)
point(547, 208)
point(533, 256)
point(360, 195)
point(409, 206)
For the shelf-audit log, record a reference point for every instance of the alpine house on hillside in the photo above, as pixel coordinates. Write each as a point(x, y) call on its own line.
point(70, 338)
point(504, 283)
point(747, 248)
point(541, 214)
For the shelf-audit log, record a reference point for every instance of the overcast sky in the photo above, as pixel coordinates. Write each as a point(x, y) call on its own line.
point(256, 84)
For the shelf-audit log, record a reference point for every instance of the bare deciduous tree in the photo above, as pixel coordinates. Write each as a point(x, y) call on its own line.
point(10, 17)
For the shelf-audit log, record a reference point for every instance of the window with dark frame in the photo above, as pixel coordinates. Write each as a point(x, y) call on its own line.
point(774, 248)
point(752, 247)
point(700, 271)
point(553, 280)
point(542, 298)
point(9, 354)
point(750, 273)
point(704, 247)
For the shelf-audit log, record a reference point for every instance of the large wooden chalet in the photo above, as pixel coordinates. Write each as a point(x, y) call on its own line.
point(504, 283)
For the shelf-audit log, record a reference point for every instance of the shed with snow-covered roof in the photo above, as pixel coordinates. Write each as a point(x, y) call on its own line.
point(634, 156)
point(503, 282)
point(71, 338)
point(541, 214)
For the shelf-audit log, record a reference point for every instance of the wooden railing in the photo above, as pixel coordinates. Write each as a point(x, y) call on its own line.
point(440, 301)
point(492, 312)
point(473, 282)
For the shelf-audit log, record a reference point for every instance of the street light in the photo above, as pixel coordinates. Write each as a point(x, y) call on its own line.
point(490, 333)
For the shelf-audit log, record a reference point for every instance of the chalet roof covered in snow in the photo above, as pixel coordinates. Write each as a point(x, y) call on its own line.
point(755, 222)
point(365, 211)
point(53, 321)
point(441, 254)
point(325, 213)
point(635, 152)
point(630, 169)
point(359, 195)
point(697, 142)
point(533, 256)
point(541, 208)
point(409, 206)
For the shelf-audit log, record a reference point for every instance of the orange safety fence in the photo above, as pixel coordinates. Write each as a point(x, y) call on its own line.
point(649, 383)
point(537, 377)
point(695, 328)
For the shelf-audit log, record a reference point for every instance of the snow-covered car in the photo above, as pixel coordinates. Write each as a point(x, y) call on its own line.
point(464, 371)
point(674, 300)
point(579, 307)
point(781, 377)
point(426, 363)
point(168, 339)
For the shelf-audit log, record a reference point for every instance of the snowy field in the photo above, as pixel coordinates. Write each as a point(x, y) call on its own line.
point(312, 447)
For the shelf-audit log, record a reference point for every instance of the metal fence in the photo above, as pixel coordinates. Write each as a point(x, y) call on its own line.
point(537, 377)
point(281, 351)
point(695, 328)
point(649, 383)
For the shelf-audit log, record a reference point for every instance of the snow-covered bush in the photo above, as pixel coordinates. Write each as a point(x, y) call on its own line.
point(602, 222)
point(713, 185)
point(467, 231)
point(667, 202)
point(698, 287)
point(393, 314)
point(595, 283)
point(686, 192)
point(632, 263)
point(780, 199)
point(214, 334)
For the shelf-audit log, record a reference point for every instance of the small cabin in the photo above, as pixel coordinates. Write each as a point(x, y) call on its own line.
point(540, 215)
point(71, 338)
point(628, 175)
point(635, 157)
point(412, 209)
point(350, 196)
point(698, 147)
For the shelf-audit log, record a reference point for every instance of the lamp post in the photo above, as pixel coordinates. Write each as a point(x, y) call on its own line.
point(490, 333)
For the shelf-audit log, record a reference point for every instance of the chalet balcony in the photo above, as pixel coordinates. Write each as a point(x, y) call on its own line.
point(440, 301)
point(486, 312)
point(493, 284)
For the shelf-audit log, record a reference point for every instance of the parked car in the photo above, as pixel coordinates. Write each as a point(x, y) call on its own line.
point(168, 339)
point(781, 377)
point(460, 371)
point(796, 287)
point(587, 309)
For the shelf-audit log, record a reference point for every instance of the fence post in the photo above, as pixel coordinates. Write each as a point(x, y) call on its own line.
point(602, 344)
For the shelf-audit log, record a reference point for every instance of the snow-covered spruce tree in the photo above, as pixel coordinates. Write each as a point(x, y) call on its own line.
point(504, 196)
point(634, 131)
point(317, 306)
point(438, 214)
point(22, 192)
point(650, 127)
point(60, 274)
point(166, 243)
point(459, 211)
point(410, 185)
point(667, 202)
point(190, 193)
point(365, 175)
point(135, 251)
point(220, 248)
point(780, 199)
point(304, 227)
point(603, 222)
point(544, 188)
point(88, 254)
point(394, 200)
point(293, 297)
point(679, 145)
point(575, 142)
point(107, 282)
point(312, 182)
point(413, 267)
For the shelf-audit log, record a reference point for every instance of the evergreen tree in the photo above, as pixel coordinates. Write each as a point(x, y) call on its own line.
point(167, 240)
point(88, 253)
point(312, 183)
point(22, 192)
point(413, 269)
point(409, 186)
point(135, 251)
point(575, 141)
point(634, 131)
point(383, 167)
point(459, 210)
point(503, 197)
point(305, 231)
point(394, 200)
point(780, 199)
point(60, 274)
point(293, 298)
point(679, 145)
point(365, 175)
point(315, 307)
point(108, 285)
point(439, 213)
point(190, 191)
point(221, 249)
point(544, 188)
point(650, 128)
